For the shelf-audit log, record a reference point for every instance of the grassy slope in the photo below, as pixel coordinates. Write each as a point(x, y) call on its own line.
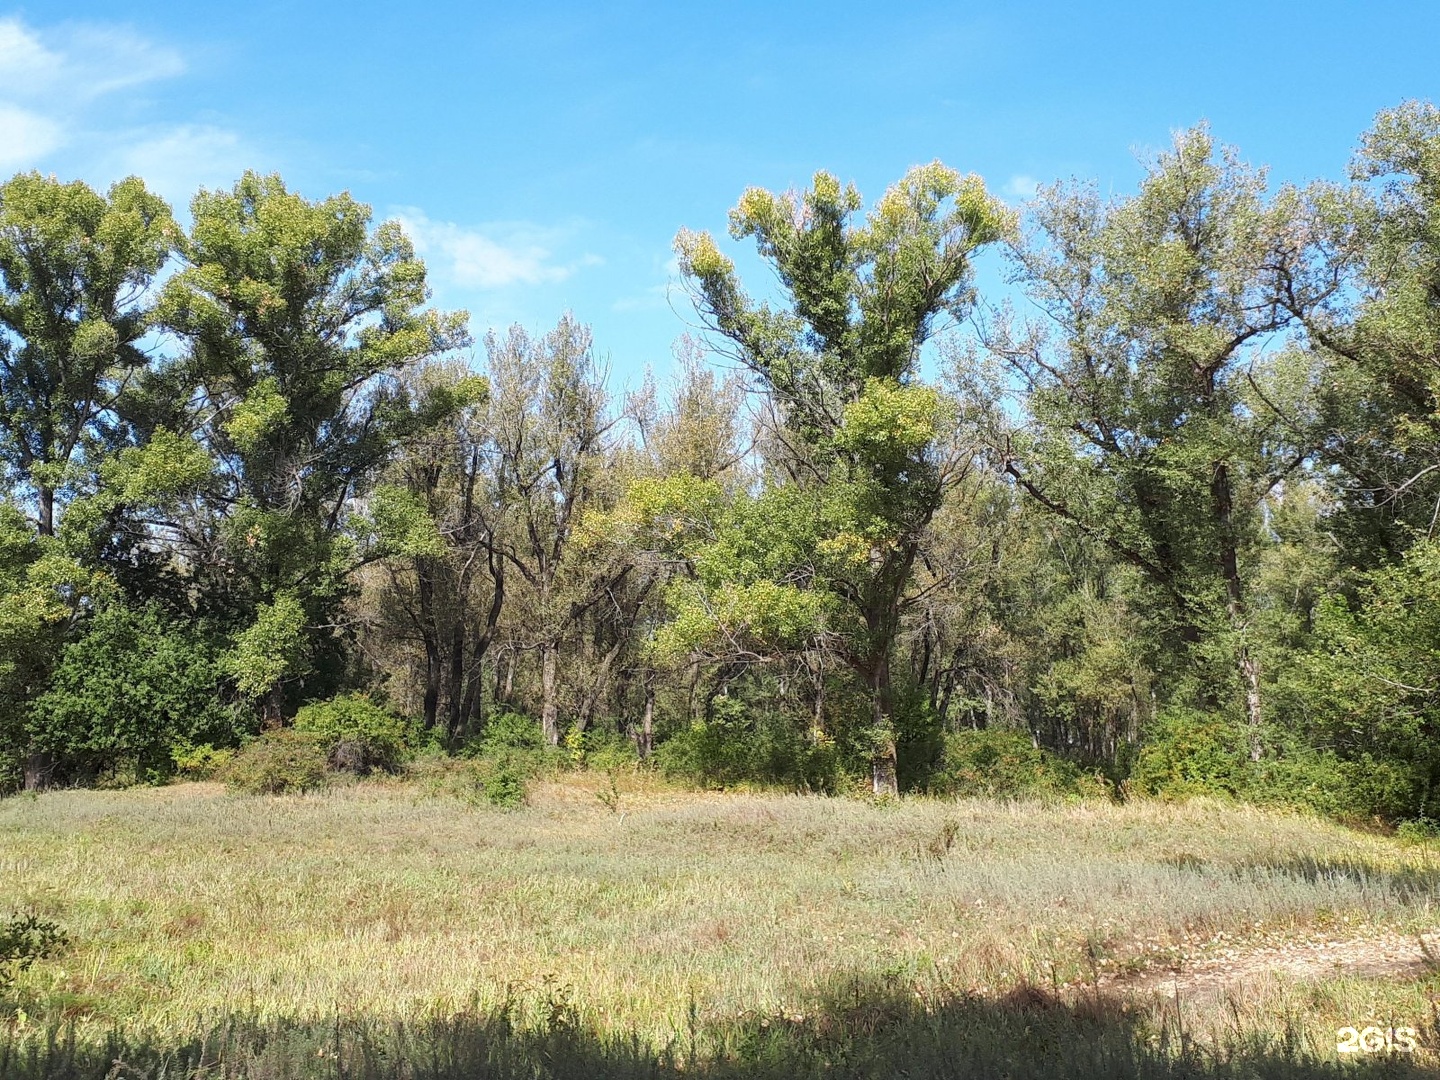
point(678, 911)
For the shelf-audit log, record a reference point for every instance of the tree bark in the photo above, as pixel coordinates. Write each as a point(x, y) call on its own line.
point(549, 678)
point(46, 500)
point(883, 764)
point(39, 766)
point(1235, 605)
point(647, 723)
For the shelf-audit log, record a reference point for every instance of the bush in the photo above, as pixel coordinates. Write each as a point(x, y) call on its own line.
point(136, 684)
point(1187, 752)
point(738, 746)
point(358, 735)
point(1000, 762)
point(278, 763)
point(23, 940)
point(507, 731)
point(199, 762)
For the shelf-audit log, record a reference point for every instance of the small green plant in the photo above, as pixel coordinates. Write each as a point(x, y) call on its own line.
point(504, 783)
point(23, 940)
point(609, 795)
point(278, 763)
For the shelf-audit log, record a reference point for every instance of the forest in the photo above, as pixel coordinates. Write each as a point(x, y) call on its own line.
point(1155, 518)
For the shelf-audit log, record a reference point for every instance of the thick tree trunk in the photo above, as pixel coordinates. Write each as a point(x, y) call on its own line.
point(39, 767)
point(46, 500)
point(549, 679)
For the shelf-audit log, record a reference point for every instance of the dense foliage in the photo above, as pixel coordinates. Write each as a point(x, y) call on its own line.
point(1163, 523)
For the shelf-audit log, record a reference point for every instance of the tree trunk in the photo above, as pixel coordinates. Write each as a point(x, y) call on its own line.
point(39, 766)
point(1235, 605)
point(273, 712)
point(549, 677)
point(647, 724)
point(883, 777)
point(429, 633)
point(46, 501)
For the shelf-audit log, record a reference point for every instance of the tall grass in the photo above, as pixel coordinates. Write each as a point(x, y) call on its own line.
point(654, 929)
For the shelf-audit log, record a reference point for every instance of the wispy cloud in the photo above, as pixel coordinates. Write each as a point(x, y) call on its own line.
point(26, 136)
point(1021, 186)
point(178, 160)
point(78, 62)
point(490, 256)
point(56, 83)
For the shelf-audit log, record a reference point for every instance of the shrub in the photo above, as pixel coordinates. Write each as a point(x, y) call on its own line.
point(277, 763)
point(739, 746)
point(504, 779)
point(1188, 752)
point(126, 692)
point(509, 731)
point(602, 750)
point(23, 940)
point(1001, 762)
point(358, 735)
point(199, 762)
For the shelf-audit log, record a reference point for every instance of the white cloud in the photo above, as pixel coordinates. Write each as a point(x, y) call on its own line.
point(491, 256)
point(178, 161)
point(1021, 186)
point(51, 78)
point(26, 137)
point(78, 62)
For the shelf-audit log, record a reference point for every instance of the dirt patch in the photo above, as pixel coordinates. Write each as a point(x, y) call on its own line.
point(1391, 956)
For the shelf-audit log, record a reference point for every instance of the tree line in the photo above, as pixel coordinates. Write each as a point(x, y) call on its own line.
point(1160, 517)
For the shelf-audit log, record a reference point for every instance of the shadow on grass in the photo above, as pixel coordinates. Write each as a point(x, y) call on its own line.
point(853, 1034)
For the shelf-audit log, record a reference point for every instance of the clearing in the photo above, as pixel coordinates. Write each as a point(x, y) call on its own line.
point(670, 913)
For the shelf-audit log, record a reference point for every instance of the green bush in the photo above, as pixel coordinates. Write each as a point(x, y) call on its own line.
point(739, 746)
point(602, 750)
point(199, 762)
point(358, 735)
point(278, 763)
point(136, 684)
point(1187, 752)
point(507, 730)
point(1000, 762)
point(23, 940)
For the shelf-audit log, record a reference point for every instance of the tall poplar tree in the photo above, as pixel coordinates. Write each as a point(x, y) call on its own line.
point(858, 432)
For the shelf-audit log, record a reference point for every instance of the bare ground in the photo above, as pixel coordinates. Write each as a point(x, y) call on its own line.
point(1388, 956)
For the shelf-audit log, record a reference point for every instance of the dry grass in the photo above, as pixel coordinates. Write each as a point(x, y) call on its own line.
point(678, 910)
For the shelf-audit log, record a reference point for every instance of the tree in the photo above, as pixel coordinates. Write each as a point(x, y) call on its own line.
point(550, 433)
point(296, 318)
point(857, 432)
point(1160, 414)
point(74, 269)
point(1385, 346)
point(435, 525)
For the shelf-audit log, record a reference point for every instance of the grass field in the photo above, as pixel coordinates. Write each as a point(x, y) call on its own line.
point(383, 930)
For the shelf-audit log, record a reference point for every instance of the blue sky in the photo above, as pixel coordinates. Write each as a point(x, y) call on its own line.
point(544, 155)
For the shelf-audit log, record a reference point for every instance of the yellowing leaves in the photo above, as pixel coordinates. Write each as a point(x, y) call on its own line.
point(889, 420)
point(759, 617)
point(262, 410)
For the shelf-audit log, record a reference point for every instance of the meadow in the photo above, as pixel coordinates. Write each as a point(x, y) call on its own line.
point(390, 929)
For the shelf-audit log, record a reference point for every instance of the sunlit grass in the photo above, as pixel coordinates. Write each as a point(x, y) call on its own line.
point(675, 909)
